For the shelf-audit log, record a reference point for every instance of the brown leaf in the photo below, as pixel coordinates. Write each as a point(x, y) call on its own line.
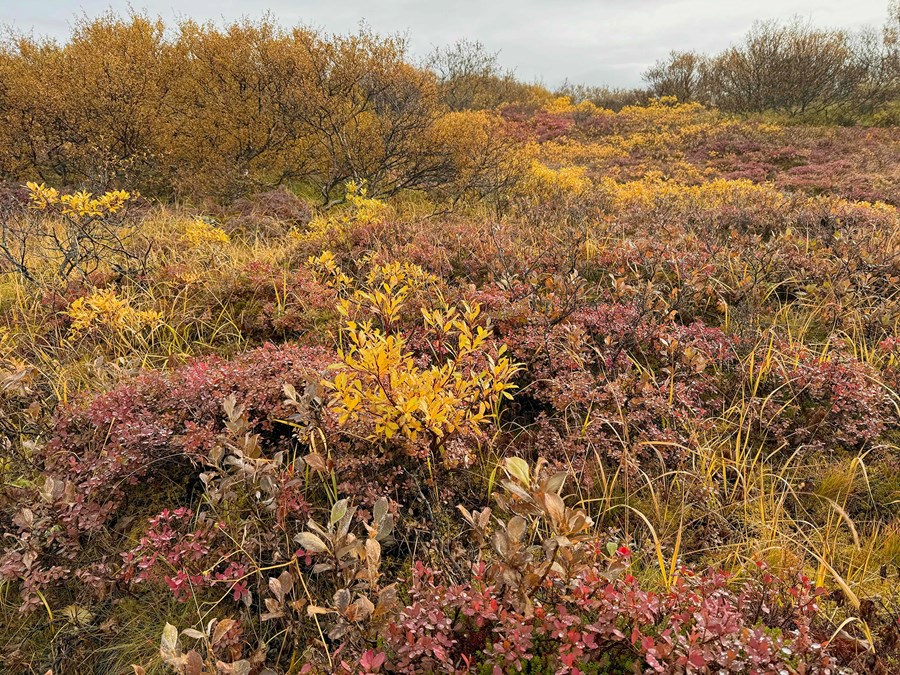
point(373, 553)
point(387, 599)
point(286, 581)
point(555, 482)
point(274, 610)
point(516, 528)
point(555, 507)
point(193, 664)
point(222, 627)
point(316, 462)
point(342, 600)
point(484, 517)
point(363, 608)
point(277, 590)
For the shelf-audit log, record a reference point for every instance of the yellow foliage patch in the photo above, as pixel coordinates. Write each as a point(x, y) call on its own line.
point(198, 232)
point(78, 204)
point(379, 386)
point(104, 309)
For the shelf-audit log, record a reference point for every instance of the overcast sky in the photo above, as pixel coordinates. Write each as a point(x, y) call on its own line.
point(592, 41)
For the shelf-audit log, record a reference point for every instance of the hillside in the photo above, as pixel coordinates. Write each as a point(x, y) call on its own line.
point(302, 370)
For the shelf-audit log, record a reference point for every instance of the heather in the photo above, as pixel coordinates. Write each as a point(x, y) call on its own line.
point(401, 378)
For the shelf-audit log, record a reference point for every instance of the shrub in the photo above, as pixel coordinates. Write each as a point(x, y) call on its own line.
point(620, 378)
point(156, 426)
point(544, 595)
point(269, 213)
point(75, 232)
point(822, 401)
point(382, 391)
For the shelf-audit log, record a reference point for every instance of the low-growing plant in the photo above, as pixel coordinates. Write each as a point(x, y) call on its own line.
point(69, 233)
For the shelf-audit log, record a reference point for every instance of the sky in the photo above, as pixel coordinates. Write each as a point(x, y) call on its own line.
point(596, 42)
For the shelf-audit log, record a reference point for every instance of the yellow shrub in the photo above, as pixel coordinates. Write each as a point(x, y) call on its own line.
point(360, 209)
point(380, 387)
point(653, 191)
point(198, 232)
point(365, 210)
point(562, 105)
point(542, 182)
point(485, 158)
point(78, 204)
point(104, 309)
point(328, 271)
point(405, 273)
point(379, 384)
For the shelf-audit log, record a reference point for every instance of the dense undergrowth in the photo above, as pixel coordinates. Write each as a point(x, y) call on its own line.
point(618, 394)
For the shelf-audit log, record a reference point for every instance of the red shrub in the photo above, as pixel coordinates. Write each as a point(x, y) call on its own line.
point(268, 213)
point(623, 377)
point(124, 444)
point(600, 622)
point(279, 303)
point(822, 402)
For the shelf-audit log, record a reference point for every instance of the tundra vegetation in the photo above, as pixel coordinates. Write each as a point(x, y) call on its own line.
point(318, 359)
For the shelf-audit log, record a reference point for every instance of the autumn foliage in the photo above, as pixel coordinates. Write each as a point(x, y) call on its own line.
point(431, 371)
point(201, 110)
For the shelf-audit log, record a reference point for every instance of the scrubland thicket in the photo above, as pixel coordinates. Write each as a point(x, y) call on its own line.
point(796, 70)
point(314, 360)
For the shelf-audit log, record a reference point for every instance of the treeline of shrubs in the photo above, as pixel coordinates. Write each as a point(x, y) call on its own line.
point(198, 109)
point(795, 69)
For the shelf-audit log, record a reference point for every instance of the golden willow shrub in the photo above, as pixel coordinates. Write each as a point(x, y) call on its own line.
point(484, 156)
point(198, 232)
point(664, 135)
point(426, 402)
point(359, 209)
point(104, 310)
point(653, 193)
point(87, 111)
point(208, 110)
